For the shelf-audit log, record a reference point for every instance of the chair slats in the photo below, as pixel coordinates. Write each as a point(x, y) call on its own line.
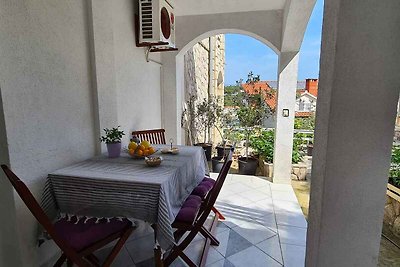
point(155, 136)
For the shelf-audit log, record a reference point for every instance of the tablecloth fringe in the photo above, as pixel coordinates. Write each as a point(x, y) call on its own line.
point(69, 217)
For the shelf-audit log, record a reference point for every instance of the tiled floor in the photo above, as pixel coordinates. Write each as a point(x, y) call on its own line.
point(264, 226)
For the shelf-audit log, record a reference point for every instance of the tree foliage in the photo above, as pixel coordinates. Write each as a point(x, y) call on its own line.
point(208, 113)
point(251, 108)
point(305, 123)
point(394, 171)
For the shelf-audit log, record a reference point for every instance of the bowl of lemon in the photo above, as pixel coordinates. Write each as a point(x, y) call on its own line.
point(140, 151)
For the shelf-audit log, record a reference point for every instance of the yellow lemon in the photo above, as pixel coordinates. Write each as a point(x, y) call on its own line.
point(132, 145)
point(145, 143)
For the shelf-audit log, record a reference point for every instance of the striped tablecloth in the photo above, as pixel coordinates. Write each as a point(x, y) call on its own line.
point(111, 187)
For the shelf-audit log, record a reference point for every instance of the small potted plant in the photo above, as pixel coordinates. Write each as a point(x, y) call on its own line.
point(251, 112)
point(112, 138)
point(263, 144)
point(224, 127)
point(207, 113)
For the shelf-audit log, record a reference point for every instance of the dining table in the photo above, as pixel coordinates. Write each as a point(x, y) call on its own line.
point(104, 188)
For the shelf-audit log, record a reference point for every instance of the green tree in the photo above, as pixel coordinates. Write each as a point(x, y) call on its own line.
point(207, 113)
point(251, 107)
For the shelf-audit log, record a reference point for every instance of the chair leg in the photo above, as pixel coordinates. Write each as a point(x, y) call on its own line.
point(187, 259)
point(93, 260)
point(207, 234)
point(218, 213)
point(60, 261)
point(117, 247)
point(176, 251)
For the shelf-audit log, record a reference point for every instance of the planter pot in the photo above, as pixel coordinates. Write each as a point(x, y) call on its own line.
point(221, 151)
point(207, 149)
point(114, 150)
point(309, 149)
point(391, 216)
point(217, 163)
point(267, 168)
point(247, 166)
point(299, 172)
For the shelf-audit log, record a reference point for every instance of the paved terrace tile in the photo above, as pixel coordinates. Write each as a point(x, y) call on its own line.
point(264, 226)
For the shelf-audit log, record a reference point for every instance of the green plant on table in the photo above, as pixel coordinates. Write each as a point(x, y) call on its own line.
point(112, 136)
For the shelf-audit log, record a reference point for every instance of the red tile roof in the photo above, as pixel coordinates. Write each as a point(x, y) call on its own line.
point(303, 114)
point(270, 96)
point(271, 99)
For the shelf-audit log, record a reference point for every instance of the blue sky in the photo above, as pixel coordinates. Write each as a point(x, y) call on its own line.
point(244, 53)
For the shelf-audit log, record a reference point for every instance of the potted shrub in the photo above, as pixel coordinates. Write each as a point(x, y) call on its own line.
point(224, 123)
point(251, 111)
point(207, 113)
point(223, 127)
point(392, 207)
point(112, 138)
point(263, 144)
point(299, 171)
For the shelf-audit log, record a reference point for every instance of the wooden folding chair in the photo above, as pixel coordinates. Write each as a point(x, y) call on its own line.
point(191, 218)
point(156, 136)
point(77, 239)
point(204, 188)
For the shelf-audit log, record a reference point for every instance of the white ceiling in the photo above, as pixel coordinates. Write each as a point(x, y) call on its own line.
point(201, 7)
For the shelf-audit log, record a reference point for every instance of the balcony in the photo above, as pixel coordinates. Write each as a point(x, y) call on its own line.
point(264, 226)
point(70, 68)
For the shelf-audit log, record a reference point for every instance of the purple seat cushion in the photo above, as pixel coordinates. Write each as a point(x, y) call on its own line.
point(188, 212)
point(203, 188)
point(82, 235)
point(208, 179)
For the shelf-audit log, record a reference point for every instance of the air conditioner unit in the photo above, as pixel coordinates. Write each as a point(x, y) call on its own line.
point(156, 23)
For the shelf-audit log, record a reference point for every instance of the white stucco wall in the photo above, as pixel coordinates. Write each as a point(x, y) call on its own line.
point(137, 81)
point(46, 90)
point(61, 64)
point(352, 144)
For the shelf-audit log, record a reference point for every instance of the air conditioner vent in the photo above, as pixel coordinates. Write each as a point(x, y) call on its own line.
point(157, 23)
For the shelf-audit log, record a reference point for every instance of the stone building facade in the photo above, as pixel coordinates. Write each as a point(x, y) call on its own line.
point(204, 77)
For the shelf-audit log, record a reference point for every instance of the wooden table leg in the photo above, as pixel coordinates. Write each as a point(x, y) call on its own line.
point(157, 249)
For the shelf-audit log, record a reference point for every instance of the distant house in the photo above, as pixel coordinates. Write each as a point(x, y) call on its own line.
point(306, 99)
